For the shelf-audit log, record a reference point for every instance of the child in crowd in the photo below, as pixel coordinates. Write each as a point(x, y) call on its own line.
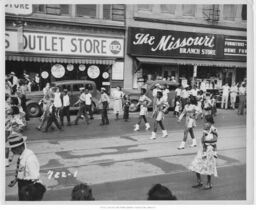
point(210, 136)
point(126, 105)
point(177, 107)
point(207, 105)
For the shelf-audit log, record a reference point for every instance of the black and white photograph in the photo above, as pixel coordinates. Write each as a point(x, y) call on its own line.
point(128, 102)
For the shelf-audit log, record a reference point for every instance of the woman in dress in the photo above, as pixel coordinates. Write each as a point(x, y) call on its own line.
point(205, 162)
point(191, 111)
point(144, 102)
point(118, 96)
point(159, 109)
point(57, 101)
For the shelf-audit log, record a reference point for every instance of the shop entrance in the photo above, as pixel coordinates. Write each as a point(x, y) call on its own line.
point(240, 74)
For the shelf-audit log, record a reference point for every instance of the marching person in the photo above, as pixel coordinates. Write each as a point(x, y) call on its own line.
point(208, 105)
point(47, 88)
point(242, 98)
point(126, 106)
point(52, 116)
point(184, 95)
point(104, 101)
point(144, 102)
point(225, 95)
point(88, 103)
point(205, 162)
point(65, 108)
point(190, 111)
point(46, 101)
point(160, 108)
point(57, 101)
point(233, 94)
point(118, 96)
point(81, 112)
point(27, 170)
point(154, 92)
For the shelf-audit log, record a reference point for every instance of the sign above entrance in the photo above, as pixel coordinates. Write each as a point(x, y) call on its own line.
point(180, 44)
point(45, 43)
point(19, 9)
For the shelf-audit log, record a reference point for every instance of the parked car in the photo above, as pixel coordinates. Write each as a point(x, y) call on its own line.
point(135, 94)
point(33, 98)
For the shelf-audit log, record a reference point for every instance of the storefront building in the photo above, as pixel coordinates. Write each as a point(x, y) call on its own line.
point(67, 42)
point(190, 49)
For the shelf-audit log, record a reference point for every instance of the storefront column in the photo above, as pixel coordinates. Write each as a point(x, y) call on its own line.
point(128, 73)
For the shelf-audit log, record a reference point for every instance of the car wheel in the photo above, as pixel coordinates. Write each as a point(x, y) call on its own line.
point(133, 107)
point(33, 110)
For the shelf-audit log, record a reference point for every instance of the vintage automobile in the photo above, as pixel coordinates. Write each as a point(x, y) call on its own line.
point(33, 98)
point(134, 95)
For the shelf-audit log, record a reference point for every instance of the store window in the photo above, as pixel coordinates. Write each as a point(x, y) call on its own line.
point(189, 9)
point(145, 7)
point(86, 10)
point(244, 12)
point(107, 11)
point(168, 8)
point(229, 12)
point(52, 9)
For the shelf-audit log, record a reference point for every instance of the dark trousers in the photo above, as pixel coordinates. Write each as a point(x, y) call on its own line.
point(52, 119)
point(88, 108)
point(183, 103)
point(241, 104)
point(126, 112)
point(22, 183)
point(64, 112)
point(104, 116)
point(81, 112)
point(24, 106)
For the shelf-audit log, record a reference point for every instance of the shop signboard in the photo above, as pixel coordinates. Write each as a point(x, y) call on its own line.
point(180, 44)
point(235, 47)
point(18, 9)
point(46, 43)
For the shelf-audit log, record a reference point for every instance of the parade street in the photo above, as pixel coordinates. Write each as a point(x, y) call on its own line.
point(120, 164)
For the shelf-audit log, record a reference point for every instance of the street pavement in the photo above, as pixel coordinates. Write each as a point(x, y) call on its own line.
point(121, 164)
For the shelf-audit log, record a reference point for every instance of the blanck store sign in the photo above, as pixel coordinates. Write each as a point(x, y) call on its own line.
point(178, 44)
point(44, 43)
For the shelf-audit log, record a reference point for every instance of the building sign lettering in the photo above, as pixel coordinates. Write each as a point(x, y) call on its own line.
point(19, 9)
point(180, 44)
point(65, 44)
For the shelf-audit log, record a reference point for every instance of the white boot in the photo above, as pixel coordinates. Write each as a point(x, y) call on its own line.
point(182, 145)
point(147, 126)
point(165, 134)
point(137, 127)
point(153, 136)
point(193, 143)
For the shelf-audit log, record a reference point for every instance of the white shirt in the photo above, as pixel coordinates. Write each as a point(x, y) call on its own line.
point(165, 94)
point(242, 90)
point(225, 90)
point(29, 166)
point(66, 101)
point(88, 99)
point(184, 94)
point(15, 81)
point(178, 91)
point(37, 79)
point(203, 86)
point(154, 93)
point(193, 92)
point(234, 89)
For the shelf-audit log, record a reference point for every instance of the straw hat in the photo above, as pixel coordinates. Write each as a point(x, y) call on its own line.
point(104, 89)
point(15, 140)
point(81, 88)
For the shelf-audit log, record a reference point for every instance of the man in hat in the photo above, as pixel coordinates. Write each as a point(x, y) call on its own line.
point(52, 116)
point(104, 100)
point(81, 111)
point(14, 81)
point(65, 108)
point(27, 170)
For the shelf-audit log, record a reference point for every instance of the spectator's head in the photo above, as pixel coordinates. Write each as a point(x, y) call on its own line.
point(14, 101)
point(7, 98)
point(82, 192)
point(16, 142)
point(57, 90)
point(103, 90)
point(208, 121)
point(160, 192)
point(47, 85)
point(65, 91)
point(32, 192)
point(86, 91)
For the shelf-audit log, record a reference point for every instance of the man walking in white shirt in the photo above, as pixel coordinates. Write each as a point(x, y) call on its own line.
point(27, 170)
point(88, 103)
point(65, 109)
point(225, 95)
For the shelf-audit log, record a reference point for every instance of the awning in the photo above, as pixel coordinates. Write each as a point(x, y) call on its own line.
point(54, 59)
point(192, 62)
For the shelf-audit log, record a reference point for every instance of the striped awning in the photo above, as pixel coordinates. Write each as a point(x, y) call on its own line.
point(51, 59)
point(192, 62)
